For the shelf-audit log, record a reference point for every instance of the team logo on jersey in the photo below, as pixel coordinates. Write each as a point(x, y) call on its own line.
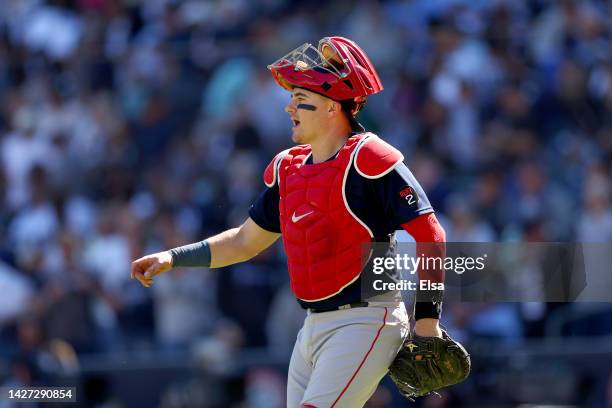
point(410, 196)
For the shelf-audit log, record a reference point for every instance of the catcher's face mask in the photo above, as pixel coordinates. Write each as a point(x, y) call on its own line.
point(337, 68)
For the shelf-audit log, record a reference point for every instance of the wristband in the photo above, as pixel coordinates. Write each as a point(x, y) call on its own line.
point(431, 310)
point(196, 254)
point(428, 304)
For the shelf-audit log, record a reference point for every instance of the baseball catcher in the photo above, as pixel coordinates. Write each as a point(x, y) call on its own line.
point(338, 189)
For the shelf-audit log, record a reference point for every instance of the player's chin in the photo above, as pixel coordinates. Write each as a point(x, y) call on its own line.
point(296, 137)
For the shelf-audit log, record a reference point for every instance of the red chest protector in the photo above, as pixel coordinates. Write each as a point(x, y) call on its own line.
point(323, 238)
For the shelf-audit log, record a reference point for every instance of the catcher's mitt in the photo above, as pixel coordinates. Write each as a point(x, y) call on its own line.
point(425, 364)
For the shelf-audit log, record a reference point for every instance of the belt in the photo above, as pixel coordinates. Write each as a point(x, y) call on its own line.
point(343, 307)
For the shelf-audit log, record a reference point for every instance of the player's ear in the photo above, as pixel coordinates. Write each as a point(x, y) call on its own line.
point(333, 107)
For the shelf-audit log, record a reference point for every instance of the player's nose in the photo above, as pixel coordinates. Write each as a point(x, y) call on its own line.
point(290, 107)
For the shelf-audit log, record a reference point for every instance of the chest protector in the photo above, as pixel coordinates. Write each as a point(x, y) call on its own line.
point(323, 239)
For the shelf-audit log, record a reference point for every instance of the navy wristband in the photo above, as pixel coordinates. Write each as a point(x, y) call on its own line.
point(431, 310)
point(428, 304)
point(196, 254)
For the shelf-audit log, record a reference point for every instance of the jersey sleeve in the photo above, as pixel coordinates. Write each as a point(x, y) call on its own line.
point(401, 196)
point(264, 211)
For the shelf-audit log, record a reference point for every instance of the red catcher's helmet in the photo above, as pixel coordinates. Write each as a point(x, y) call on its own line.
point(337, 69)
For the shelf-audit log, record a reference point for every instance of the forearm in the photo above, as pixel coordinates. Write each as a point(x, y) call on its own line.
point(428, 302)
point(223, 249)
point(430, 238)
point(229, 247)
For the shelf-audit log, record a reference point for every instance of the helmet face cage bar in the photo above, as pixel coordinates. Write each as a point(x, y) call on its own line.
point(307, 57)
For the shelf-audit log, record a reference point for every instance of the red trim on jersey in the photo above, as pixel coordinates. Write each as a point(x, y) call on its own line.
point(430, 238)
point(364, 359)
point(307, 406)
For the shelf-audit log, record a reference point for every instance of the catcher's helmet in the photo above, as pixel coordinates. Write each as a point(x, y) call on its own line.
point(337, 69)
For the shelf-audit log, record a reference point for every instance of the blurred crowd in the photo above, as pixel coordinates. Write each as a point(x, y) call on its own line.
point(128, 127)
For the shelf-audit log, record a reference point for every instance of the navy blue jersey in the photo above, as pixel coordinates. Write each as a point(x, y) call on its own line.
point(384, 204)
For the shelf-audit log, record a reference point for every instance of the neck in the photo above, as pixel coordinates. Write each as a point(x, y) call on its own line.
point(330, 141)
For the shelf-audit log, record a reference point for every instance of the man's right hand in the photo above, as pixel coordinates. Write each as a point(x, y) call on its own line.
point(145, 268)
